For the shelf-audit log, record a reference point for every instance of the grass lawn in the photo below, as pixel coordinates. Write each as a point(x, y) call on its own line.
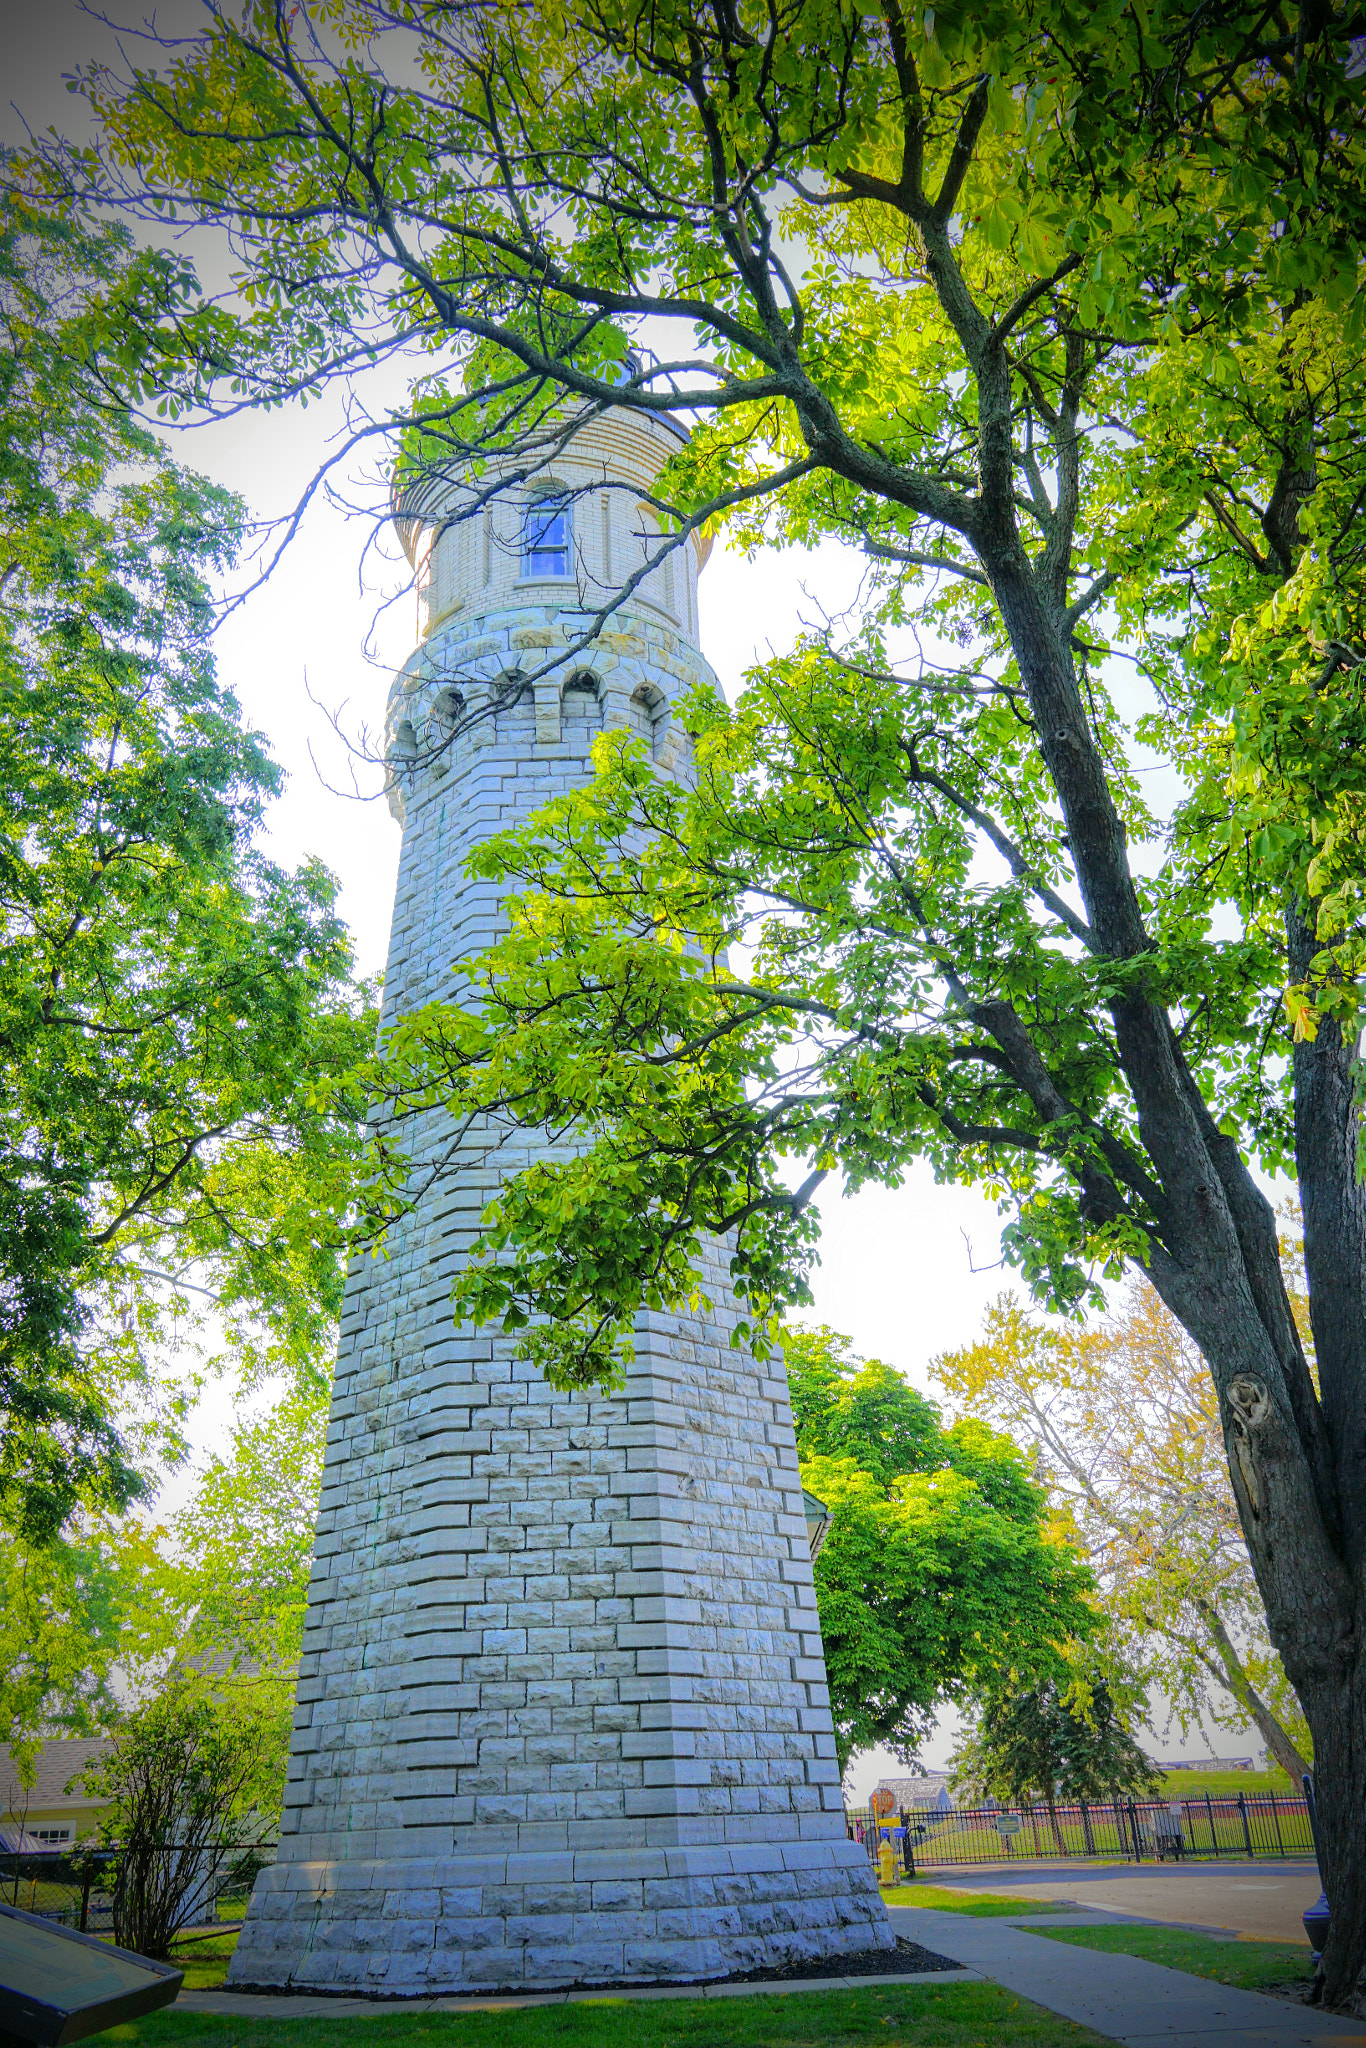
point(980, 1905)
point(937, 2016)
point(204, 1961)
point(1227, 1784)
point(1251, 1965)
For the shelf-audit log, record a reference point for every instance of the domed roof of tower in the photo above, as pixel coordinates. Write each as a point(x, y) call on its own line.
point(419, 497)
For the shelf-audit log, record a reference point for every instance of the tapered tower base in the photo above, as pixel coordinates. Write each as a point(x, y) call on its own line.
point(567, 1719)
point(541, 1922)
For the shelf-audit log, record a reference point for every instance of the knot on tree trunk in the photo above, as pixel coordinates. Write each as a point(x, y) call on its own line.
point(1249, 1401)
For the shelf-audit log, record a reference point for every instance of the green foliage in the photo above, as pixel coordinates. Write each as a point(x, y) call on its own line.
point(844, 1406)
point(233, 1589)
point(168, 998)
point(192, 1780)
point(67, 1604)
point(115, 1609)
point(1049, 1740)
point(940, 1572)
point(1122, 1423)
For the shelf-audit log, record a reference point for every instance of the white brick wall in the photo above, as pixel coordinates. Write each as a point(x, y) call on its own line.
point(561, 1715)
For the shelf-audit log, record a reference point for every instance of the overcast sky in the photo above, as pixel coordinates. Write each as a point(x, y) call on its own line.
point(904, 1273)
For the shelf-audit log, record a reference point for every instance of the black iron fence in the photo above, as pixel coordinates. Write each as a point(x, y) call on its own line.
point(1248, 1824)
point(74, 1885)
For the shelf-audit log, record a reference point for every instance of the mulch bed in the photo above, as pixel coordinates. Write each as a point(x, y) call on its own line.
point(907, 1959)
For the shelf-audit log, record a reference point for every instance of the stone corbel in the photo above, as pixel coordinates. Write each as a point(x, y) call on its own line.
point(476, 725)
point(616, 702)
point(673, 754)
point(533, 645)
point(547, 696)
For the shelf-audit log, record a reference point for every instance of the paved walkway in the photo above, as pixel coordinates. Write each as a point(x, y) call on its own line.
point(1131, 2001)
point(1261, 1898)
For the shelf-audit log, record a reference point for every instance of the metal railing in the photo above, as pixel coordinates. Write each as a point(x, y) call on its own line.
point(1137, 1831)
point(73, 1885)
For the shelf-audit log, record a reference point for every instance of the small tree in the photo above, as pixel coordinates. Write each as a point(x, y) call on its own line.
point(192, 1779)
point(1037, 1743)
point(941, 1571)
point(1123, 1424)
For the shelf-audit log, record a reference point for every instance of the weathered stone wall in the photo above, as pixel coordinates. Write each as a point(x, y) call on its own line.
point(562, 1714)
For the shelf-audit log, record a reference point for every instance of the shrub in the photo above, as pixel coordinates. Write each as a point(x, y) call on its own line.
point(192, 1779)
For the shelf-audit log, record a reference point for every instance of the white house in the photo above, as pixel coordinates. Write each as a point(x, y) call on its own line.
point(53, 1812)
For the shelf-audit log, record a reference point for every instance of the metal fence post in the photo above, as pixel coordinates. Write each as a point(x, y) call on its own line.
point(1086, 1833)
point(1276, 1817)
point(1213, 1843)
point(1133, 1824)
point(1247, 1832)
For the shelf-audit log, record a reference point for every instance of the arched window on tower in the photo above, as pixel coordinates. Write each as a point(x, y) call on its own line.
point(579, 704)
point(545, 537)
point(647, 708)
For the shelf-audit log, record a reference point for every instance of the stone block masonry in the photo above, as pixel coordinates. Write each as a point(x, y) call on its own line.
point(562, 1714)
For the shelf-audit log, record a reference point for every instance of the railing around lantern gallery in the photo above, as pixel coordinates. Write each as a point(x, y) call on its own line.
point(1248, 1824)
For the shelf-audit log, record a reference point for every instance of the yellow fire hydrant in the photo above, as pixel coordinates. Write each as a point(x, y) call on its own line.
point(886, 1861)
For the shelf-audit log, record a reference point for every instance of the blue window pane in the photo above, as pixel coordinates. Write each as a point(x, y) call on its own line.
point(545, 540)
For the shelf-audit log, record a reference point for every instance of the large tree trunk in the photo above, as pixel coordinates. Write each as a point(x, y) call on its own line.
point(1333, 1690)
point(1337, 1716)
point(1297, 1461)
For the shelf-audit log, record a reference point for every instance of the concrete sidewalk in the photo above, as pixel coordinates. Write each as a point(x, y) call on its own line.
point(1129, 2000)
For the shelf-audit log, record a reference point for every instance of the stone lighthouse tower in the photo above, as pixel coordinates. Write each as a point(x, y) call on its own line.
point(562, 1715)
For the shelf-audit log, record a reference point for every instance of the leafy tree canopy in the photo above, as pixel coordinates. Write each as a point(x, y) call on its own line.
point(114, 1610)
point(232, 1589)
point(844, 1406)
point(67, 1602)
point(941, 1570)
point(169, 998)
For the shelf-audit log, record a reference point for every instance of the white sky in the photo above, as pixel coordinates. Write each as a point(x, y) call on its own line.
point(904, 1273)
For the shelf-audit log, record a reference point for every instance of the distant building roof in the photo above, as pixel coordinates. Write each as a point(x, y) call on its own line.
point(1210, 1763)
point(931, 1788)
point(58, 1762)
